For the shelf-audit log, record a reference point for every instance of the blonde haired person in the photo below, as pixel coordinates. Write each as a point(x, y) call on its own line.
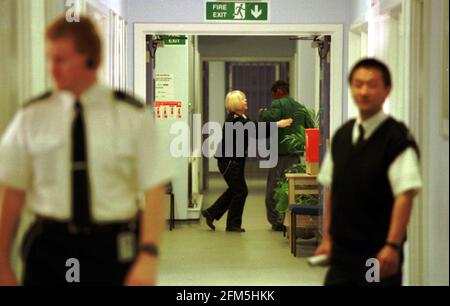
point(232, 167)
point(234, 100)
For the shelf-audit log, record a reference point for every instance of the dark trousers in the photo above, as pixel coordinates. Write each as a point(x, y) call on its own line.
point(284, 162)
point(49, 247)
point(233, 199)
point(348, 267)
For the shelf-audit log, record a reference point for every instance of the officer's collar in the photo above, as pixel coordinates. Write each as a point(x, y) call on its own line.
point(88, 97)
point(92, 94)
point(236, 115)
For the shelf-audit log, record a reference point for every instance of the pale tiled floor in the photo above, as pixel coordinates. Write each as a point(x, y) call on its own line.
point(194, 255)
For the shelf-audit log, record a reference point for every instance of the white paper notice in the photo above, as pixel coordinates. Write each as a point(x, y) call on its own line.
point(164, 87)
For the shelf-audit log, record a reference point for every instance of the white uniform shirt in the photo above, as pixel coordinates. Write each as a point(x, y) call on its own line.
point(124, 154)
point(403, 173)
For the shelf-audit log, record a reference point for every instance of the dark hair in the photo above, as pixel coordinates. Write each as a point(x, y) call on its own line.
point(84, 34)
point(372, 63)
point(280, 84)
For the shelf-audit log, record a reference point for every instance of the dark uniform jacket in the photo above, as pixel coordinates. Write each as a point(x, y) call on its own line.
point(234, 149)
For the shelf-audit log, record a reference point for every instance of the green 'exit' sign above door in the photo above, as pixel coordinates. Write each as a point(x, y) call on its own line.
point(237, 11)
point(174, 39)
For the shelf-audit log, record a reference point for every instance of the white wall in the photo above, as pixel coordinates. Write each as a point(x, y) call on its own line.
point(281, 12)
point(118, 6)
point(7, 51)
point(437, 163)
point(285, 11)
point(306, 74)
point(216, 100)
point(358, 9)
point(180, 71)
point(110, 17)
point(23, 52)
point(358, 45)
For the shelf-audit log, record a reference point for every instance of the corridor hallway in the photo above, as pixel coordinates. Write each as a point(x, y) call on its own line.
point(194, 255)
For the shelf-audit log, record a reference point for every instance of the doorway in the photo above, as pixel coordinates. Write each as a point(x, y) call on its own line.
point(195, 69)
point(335, 31)
point(255, 79)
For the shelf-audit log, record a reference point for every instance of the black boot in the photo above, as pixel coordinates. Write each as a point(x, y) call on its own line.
point(209, 219)
point(235, 229)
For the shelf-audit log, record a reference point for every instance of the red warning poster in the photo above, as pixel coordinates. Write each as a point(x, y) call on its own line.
point(168, 109)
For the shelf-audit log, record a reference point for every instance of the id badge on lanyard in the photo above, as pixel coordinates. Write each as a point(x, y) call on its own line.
point(126, 244)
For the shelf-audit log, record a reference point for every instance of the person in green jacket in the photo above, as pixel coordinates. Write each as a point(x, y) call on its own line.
point(283, 106)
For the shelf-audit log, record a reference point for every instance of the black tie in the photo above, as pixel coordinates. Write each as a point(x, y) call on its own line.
point(360, 140)
point(80, 181)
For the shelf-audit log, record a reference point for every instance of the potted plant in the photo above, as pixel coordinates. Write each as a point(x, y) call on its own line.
point(296, 143)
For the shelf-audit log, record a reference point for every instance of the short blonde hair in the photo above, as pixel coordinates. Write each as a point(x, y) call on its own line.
point(233, 100)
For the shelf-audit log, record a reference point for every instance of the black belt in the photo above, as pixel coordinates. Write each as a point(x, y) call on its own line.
point(70, 227)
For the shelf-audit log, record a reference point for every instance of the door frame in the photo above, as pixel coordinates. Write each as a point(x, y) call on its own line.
point(334, 30)
point(417, 18)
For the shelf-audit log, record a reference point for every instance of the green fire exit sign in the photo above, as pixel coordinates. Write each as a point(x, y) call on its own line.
point(237, 11)
point(175, 39)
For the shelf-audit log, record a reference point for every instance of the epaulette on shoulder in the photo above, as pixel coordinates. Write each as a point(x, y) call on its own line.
point(39, 98)
point(124, 97)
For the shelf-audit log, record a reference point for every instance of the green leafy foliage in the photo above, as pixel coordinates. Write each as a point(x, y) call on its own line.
point(296, 168)
point(296, 142)
point(307, 199)
point(281, 192)
point(315, 117)
point(281, 196)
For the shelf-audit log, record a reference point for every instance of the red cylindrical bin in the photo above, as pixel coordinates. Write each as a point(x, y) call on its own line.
point(312, 145)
